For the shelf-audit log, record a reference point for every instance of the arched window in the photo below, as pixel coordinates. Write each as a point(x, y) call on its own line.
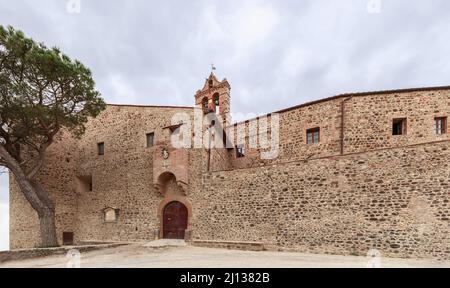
point(205, 103)
point(216, 99)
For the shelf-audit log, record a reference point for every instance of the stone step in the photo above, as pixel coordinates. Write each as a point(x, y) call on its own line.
point(165, 243)
point(232, 245)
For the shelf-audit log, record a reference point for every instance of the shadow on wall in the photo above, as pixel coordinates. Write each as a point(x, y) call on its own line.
point(4, 212)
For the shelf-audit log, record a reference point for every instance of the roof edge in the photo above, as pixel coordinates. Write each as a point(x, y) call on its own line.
point(360, 94)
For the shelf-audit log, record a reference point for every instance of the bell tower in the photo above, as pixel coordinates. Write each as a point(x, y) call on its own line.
point(214, 97)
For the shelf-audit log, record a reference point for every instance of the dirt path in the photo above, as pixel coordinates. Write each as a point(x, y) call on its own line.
point(196, 257)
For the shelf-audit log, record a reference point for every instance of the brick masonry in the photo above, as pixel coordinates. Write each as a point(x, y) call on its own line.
point(360, 188)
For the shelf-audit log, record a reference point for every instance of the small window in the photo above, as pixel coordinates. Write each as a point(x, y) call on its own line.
point(101, 148)
point(399, 126)
point(150, 140)
point(210, 83)
point(440, 125)
point(312, 136)
point(205, 103)
point(67, 238)
point(240, 151)
point(216, 99)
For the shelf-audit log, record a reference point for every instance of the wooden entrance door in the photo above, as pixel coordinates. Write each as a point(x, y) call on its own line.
point(175, 221)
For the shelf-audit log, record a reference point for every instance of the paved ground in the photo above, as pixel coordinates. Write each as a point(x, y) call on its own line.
point(195, 257)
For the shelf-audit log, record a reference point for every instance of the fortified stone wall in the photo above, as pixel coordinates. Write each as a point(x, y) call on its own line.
point(394, 200)
point(368, 120)
point(310, 198)
point(292, 135)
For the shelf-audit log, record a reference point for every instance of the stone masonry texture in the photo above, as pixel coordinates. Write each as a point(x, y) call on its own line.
point(359, 188)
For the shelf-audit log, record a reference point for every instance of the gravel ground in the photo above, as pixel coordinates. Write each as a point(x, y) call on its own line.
point(197, 257)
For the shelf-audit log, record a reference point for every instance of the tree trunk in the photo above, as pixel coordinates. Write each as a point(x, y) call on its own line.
point(48, 229)
point(44, 208)
point(38, 199)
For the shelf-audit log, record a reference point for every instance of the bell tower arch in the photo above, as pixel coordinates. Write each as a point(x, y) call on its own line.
point(214, 97)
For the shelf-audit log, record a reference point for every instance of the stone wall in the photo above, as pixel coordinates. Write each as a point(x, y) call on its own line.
point(293, 125)
point(393, 200)
point(122, 179)
point(367, 125)
point(385, 192)
point(368, 119)
point(58, 178)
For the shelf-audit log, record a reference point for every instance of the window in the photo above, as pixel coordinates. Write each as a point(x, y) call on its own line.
point(440, 125)
point(150, 140)
point(240, 151)
point(101, 148)
point(399, 126)
point(67, 238)
point(216, 99)
point(205, 103)
point(313, 136)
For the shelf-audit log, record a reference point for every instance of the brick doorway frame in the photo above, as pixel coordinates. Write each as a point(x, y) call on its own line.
point(175, 198)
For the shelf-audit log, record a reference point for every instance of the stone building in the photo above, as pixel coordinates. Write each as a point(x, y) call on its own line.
point(351, 173)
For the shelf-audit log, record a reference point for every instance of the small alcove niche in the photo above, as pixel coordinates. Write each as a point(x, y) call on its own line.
point(167, 182)
point(110, 215)
point(84, 183)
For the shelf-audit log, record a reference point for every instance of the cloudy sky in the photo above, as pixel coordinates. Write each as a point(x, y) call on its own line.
point(275, 54)
point(4, 219)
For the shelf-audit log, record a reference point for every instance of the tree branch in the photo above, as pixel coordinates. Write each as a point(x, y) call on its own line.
point(42, 151)
point(25, 186)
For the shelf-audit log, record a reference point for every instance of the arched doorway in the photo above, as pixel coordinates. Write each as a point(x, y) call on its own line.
point(175, 220)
